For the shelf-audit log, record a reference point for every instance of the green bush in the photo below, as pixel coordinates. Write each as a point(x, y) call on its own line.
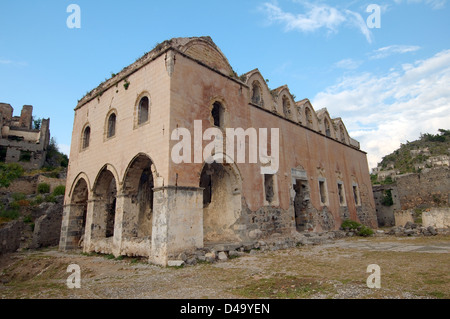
point(18, 196)
point(10, 214)
point(59, 190)
point(9, 172)
point(350, 224)
point(28, 219)
point(365, 232)
point(43, 188)
point(38, 200)
point(50, 199)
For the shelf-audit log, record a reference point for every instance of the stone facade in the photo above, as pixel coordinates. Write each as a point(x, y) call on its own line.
point(429, 189)
point(126, 196)
point(19, 142)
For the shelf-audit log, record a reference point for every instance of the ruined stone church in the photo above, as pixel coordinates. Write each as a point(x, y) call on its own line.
point(126, 196)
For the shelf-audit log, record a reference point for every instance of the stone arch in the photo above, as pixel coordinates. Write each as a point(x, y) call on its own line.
point(111, 124)
point(78, 212)
point(219, 116)
point(308, 118)
point(222, 207)
point(85, 139)
point(104, 212)
point(142, 109)
point(138, 184)
point(286, 107)
point(257, 93)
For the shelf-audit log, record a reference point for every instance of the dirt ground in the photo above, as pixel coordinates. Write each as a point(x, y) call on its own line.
point(411, 267)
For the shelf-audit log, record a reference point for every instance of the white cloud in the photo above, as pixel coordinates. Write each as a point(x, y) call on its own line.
point(435, 4)
point(384, 111)
point(5, 61)
point(393, 49)
point(348, 64)
point(317, 16)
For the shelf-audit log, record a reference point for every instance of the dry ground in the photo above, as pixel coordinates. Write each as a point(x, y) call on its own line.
point(410, 268)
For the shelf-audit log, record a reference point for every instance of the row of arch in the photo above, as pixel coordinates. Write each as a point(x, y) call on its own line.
point(137, 186)
point(220, 183)
point(281, 102)
point(110, 129)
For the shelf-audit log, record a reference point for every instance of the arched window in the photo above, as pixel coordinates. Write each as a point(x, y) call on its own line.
point(308, 115)
point(143, 110)
point(342, 132)
point(256, 94)
point(218, 114)
point(111, 126)
point(86, 137)
point(286, 107)
point(327, 128)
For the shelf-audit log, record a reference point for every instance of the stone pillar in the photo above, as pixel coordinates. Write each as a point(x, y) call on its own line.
point(71, 226)
point(88, 232)
point(177, 222)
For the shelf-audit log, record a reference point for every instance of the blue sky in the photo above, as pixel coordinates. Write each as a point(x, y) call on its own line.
point(388, 84)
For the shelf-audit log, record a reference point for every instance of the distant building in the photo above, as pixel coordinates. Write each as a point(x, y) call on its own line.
point(19, 141)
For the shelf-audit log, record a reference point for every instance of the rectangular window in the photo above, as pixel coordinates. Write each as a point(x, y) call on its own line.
point(341, 193)
point(323, 191)
point(356, 195)
point(269, 188)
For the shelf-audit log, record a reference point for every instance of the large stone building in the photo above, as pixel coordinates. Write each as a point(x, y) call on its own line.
point(20, 142)
point(127, 196)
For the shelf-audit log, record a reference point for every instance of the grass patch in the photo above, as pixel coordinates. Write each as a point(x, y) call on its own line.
point(288, 287)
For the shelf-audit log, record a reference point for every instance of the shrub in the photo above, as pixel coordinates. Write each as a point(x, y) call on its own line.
point(43, 188)
point(9, 172)
point(59, 190)
point(10, 214)
point(350, 224)
point(28, 219)
point(365, 232)
point(50, 199)
point(18, 196)
point(38, 200)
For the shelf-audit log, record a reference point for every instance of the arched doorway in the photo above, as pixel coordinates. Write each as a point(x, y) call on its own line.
point(78, 210)
point(138, 187)
point(105, 193)
point(221, 202)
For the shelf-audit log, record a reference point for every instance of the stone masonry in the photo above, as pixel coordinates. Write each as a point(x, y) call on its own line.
point(126, 196)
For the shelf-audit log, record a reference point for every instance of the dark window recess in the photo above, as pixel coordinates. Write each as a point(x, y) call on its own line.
point(86, 137)
point(111, 125)
point(25, 156)
point(269, 187)
point(3, 151)
point(143, 110)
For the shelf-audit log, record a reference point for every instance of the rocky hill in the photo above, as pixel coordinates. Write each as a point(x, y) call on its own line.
point(427, 152)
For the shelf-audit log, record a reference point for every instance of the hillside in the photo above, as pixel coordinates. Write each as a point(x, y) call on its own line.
point(426, 152)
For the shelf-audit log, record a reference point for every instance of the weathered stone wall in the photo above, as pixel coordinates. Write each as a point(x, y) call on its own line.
point(403, 217)
point(428, 189)
point(436, 217)
point(385, 214)
point(10, 235)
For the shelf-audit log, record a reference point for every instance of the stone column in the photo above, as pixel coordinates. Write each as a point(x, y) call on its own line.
point(71, 227)
point(177, 222)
